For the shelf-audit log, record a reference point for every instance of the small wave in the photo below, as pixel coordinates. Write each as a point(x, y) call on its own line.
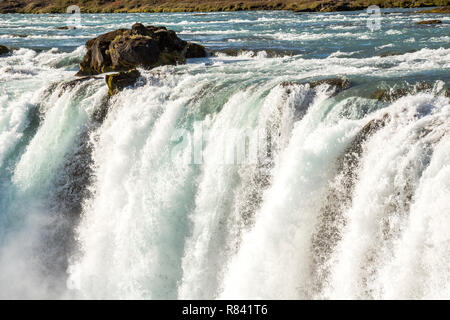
point(385, 46)
point(392, 32)
point(338, 54)
point(212, 32)
point(439, 39)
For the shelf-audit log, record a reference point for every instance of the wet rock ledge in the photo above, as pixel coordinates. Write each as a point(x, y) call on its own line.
point(430, 22)
point(141, 46)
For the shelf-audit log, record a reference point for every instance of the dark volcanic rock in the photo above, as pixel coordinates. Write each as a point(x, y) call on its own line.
point(132, 51)
point(97, 59)
point(3, 50)
point(194, 50)
point(121, 80)
point(430, 22)
point(142, 46)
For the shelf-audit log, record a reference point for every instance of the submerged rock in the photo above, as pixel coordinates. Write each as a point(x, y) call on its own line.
point(142, 46)
point(395, 53)
point(118, 81)
point(66, 28)
point(430, 22)
point(336, 84)
point(388, 95)
point(436, 10)
point(3, 50)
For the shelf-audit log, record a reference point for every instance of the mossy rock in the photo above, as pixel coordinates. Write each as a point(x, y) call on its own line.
point(118, 81)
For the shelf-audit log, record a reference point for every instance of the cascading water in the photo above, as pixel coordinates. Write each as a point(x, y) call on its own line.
point(229, 177)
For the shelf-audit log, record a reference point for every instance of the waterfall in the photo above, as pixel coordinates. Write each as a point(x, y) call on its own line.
point(202, 183)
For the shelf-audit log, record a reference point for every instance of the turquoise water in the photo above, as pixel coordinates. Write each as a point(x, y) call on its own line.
point(313, 35)
point(347, 196)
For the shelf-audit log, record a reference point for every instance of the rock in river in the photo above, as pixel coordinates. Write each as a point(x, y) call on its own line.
point(142, 46)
